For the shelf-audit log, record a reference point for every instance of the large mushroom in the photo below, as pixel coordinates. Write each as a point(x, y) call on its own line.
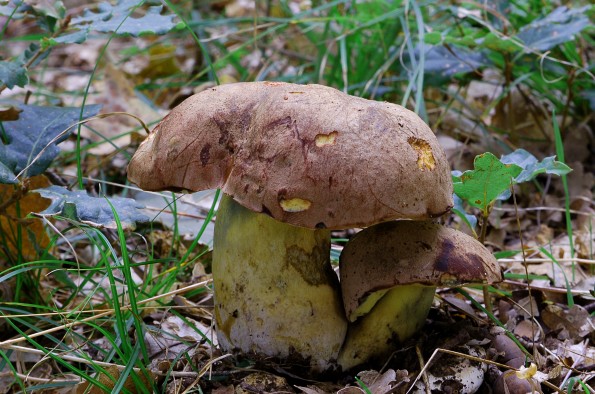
point(294, 162)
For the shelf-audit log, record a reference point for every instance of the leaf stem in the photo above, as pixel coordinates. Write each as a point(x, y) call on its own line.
point(63, 27)
point(482, 236)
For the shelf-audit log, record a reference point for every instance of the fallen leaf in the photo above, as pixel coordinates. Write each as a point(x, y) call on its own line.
point(162, 62)
point(576, 320)
point(173, 336)
point(112, 374)
point(379, 383)
point(455, 374)
point(94, 211)
point(579, 353)
point(311, 390)
point(9, 113)
point(31, 233)
point(29, 144)
point(526, 329)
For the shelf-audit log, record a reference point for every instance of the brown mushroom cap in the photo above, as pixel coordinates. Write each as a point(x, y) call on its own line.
point(308, 155)
point(410, 252)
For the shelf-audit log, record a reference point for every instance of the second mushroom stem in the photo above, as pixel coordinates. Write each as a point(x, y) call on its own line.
point(399, 314)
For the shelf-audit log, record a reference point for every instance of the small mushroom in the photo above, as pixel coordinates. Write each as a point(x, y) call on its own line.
point(294, 161)
point(389, 274)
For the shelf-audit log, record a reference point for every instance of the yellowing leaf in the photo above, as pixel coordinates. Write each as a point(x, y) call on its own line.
point(162, 62)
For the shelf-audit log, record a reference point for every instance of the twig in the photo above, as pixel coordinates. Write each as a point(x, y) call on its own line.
point(420, 357)
point(33, 379)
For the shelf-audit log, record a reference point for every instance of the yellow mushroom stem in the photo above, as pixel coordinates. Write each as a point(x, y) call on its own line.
point(276, 294)
point(395, 317)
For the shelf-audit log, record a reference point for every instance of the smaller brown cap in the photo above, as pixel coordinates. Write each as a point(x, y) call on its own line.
point(410, 252)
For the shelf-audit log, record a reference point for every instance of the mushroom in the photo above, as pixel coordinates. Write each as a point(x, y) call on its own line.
point(294, 162)
point(389, 274)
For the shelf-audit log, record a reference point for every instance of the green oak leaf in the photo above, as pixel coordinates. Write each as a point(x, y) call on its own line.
point(533, 167)
point(490, 177)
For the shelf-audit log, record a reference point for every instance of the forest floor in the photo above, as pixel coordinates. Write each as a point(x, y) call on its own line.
point(79, 285)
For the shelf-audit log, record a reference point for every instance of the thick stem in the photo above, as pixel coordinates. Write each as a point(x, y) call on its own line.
point(399, 314)
point(276, 294)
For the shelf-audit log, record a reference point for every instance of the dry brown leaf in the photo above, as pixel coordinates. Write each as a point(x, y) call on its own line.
point(7, 379)
point(32, 232)
point(240, 8)
point(580, 353)
point(164, 343)
point(526, 122)
point(459, 303)
point(576, 320)
point(190, 307)
point(526, 329)
point(585, 238)
point(351, 390)
point(311, 390)
point(111, 375)
point(558, 273)
point(9, 112)
point(379, 383)
point(224, 390)
point(455, 374)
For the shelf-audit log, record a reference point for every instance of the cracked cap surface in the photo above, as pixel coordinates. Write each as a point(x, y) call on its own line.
point(308, 155)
